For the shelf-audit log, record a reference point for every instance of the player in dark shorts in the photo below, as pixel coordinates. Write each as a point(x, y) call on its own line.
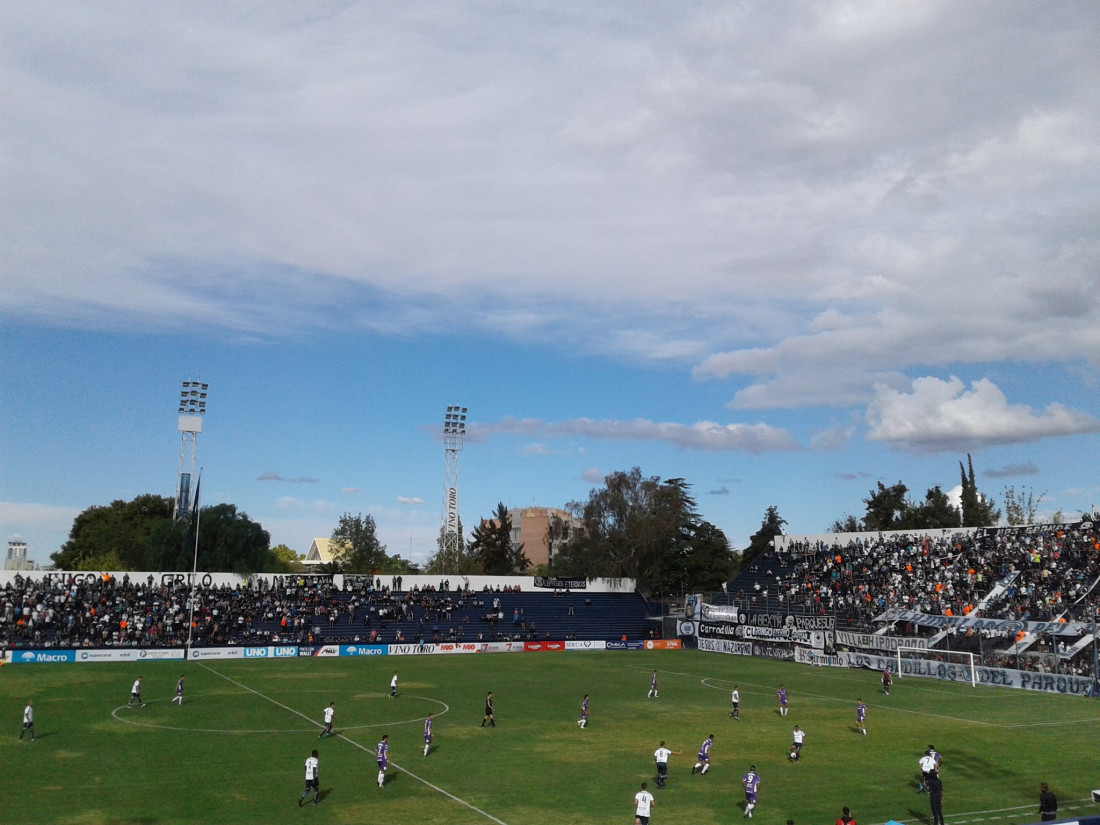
point(489, 711)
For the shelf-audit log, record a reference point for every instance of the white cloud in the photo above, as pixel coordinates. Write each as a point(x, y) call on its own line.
point(945, 415)
point(816, 199)
point(593, 475)
point(702, 435)
point(409, 500)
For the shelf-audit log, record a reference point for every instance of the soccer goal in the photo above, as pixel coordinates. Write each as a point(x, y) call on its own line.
point(949, 665)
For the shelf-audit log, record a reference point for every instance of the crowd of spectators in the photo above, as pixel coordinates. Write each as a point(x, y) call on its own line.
point(1036, 573)
point(82, 610)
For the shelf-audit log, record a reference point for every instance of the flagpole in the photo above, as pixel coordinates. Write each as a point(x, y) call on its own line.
point(194, 564)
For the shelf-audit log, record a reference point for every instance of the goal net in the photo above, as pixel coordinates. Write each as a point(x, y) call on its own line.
point(948, 665)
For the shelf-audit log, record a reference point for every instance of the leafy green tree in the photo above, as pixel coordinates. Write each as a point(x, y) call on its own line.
point(848, 524)
point(935, 511)
point(115, 537)
point(977, 510)
point(356, 548)
point(648, 530)
point(886, 507)
point(1021, 507)
point(398, 566)
point(285, 560)
point(491, 545)
point(228, 542)
point(458, 561)
point(770, 527)
point(709, 563)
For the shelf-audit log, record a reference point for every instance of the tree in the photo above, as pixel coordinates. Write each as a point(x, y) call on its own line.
point(645, 529)
point(458, 561)
point(491, 545)
point(228, 542)
point(886, 507)
point(977, 510)
point(770, 527)
point(848, 524)
point(935, 511)
point(285, 560)
point(1020, 508)
point(115, 537)
point(356, 548)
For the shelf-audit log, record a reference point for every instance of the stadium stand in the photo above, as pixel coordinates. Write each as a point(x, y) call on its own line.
point(108, 612)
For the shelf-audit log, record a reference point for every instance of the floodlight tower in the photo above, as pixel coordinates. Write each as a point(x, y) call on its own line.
point(192, 408)
point(454, 430)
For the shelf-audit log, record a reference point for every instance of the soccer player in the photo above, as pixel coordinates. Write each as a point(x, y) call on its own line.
point(660, 756)
point(28, 721)
point(935, 794)
point(330, 714)
point(935, 754)
point(887, 680)
point(1048, 803)
point(583, 721)
point(751, 783)
point(782, 694)
point(135, 695)
point(735, 700)
point(313, 781)
point(643, 805)
point(861, 717)
point(703, 757)
point(393, 686)
point(653, 686)
point(927, 769)
point(798, 736)
point(179, 691)
point(489, 711)
point(428, 733)
point(846, 817)
point(381, 756)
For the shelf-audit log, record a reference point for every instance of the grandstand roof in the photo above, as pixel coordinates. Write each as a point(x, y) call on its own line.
point(320, 552)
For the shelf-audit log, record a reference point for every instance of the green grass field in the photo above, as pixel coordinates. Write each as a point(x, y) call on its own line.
point(233, 753)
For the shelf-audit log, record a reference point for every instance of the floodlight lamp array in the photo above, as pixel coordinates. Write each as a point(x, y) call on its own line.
point(193, 398)
point(454, 421)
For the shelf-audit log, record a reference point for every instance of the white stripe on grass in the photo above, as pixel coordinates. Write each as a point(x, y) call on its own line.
point(363, 748)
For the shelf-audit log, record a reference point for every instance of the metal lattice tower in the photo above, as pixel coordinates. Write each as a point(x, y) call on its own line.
point(192, 408)
point(454, 430)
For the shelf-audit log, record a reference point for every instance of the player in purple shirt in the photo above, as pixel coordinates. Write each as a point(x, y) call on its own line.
point(703, 757)
point(861, 716)
point(381, 756)
point(653, 686)
point(782, 694)
point(751, 783)
point(583, 721)
point(428, 733)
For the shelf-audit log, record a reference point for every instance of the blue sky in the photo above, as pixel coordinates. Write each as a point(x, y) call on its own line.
point(783, 251)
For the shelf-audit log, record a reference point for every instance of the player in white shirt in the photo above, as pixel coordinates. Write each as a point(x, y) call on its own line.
point(643, 805)
point(330, 714)
point(927, 769)
point(735, 700)
point(28, 720)
point(135, 695)
point(393, 686)
point(798, 736)
point(660, 756)
point(313, 781)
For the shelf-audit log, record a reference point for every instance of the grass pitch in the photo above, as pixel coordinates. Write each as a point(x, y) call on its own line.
point(234, 752)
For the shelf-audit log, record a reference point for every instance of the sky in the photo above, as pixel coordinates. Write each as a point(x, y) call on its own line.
point(783, 251)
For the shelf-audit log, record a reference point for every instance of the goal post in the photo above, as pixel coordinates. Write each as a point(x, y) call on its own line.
point(948, 665)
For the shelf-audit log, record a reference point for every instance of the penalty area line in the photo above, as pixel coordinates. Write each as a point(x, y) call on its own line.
point(363, 748)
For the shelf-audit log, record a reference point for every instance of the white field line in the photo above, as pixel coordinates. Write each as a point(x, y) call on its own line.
point(366, 750)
